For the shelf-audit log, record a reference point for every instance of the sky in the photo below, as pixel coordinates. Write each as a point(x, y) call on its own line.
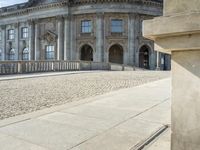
point(4, 3)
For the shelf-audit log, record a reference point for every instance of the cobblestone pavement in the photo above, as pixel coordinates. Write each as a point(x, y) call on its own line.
point(31, 94)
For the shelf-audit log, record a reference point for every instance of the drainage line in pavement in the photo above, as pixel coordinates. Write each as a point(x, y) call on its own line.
point(143, 144)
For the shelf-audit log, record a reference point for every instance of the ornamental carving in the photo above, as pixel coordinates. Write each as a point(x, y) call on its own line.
point(50, 37)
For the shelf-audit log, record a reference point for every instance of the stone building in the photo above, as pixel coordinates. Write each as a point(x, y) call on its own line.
point(90, 30)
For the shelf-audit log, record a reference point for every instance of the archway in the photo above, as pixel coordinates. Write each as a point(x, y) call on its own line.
point(116, 54)
point(144, 57)
point(86, 53)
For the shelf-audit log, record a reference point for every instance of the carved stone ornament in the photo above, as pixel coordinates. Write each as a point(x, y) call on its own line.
point(50, 36)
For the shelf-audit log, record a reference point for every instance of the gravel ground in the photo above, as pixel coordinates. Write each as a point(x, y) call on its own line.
point(31, 94)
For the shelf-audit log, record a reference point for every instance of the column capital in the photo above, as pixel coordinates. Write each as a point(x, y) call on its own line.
point(66, 17)
point(3, 27)
point(31, 22)
point(100, 14)
point(134, 15)
point(59, 18)
point(16, 25)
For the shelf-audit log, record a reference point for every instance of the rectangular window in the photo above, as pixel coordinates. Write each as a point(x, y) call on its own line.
point(24, 32)
point(0, 35)
point(50, 53)
point(116, 25)
point(86, 26)
point(11, 34)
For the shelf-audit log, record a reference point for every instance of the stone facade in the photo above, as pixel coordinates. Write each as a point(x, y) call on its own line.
point(100, 31)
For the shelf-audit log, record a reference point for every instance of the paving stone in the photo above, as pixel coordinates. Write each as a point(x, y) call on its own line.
point(48, 134)
point(26, 95)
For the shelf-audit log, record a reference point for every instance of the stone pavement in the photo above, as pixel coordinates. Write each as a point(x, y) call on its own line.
point(119, 120)
point(31, 92)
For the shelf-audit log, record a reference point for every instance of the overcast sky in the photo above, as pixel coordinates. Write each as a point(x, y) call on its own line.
point(4, 3)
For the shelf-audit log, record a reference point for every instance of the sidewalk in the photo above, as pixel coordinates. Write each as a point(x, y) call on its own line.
point(115, 121)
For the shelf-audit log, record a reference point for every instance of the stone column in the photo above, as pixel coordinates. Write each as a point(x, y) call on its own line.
point(177, 32)
point(99, 38)
point(73, 51)
point(17, 50)
point(31, 40)
point(3, 56)
point(157, 60)
point(60, 38)
point(37, 44)
point(67, 38)
point(131, 39)
point(137, 29)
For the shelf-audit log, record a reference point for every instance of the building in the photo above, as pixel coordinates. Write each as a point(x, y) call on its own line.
point(90, 30)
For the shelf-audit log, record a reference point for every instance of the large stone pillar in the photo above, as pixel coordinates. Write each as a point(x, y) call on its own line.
point(67, 38)
point(131, 38)
point(99, 38)
point(37, 44)
point(60, 49)
point(3, 56)
point(178, 33)
point(31, 40)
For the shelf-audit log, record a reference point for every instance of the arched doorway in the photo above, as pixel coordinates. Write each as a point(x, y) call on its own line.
point(116, 54)
point(86, 53)
point(144, 57)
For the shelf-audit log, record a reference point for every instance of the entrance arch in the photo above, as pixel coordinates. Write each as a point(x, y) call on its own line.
point(86, 53)
point(116, 54)
point(144, 57)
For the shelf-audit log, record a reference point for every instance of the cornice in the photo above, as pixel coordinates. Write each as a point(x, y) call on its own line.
point(25, 11)
point(72, 3)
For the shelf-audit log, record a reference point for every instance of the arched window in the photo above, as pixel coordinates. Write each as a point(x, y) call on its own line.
point(25, 54)
point(116, 54)
point(12, 54)
point(86, 53)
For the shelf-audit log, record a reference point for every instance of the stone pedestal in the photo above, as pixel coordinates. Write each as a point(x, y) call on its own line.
point(178, 33)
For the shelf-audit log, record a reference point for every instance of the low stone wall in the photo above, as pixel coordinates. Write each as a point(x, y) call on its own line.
point(19, 67)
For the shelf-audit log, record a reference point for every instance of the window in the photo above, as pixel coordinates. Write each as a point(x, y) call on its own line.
point(11, 34)
point(25, 54)
point(12, 54)
point(24, 32)
point(50, 54)
point(117, 26)
point(0, 35)
point(86, 26)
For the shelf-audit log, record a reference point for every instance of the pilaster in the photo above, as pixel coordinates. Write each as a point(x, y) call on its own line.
point(17, 54)
point(99, 53)
point(31, 39)
point(67, 37)
point(60, 38)
point(3, 30)
point(37, 44)
point(73, 51)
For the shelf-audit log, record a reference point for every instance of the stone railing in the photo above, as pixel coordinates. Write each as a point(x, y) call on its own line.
point(17, 67)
